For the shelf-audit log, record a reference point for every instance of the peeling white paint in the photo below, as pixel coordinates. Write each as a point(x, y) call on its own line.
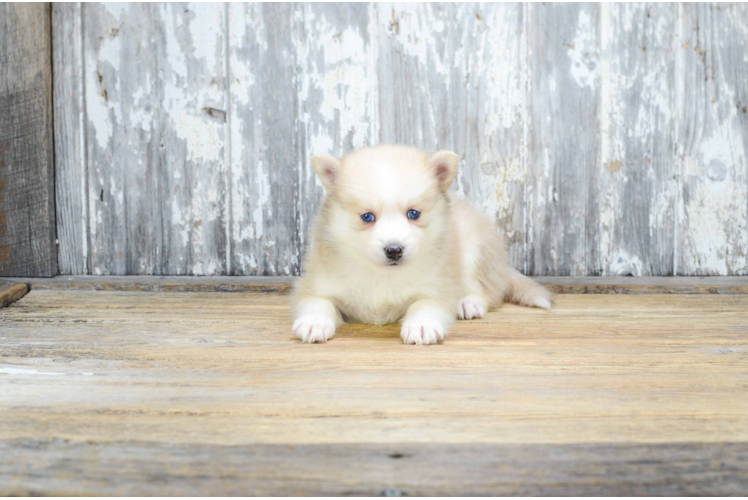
point(116, 9)
point(498, 204)
point(333, 91)
point(622, 264)
point(102, 90)
point(583, 52)
point(416, 31)
point(471, 62)
point(717, 230)
point(263, 188)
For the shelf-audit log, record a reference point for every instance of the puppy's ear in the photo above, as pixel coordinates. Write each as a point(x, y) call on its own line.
point(328, 169)
point(444, 165)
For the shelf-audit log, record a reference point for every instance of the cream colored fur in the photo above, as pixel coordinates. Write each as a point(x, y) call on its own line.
point(454, 261)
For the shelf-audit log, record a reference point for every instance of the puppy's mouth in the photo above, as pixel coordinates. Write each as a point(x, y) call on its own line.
point(396, 263)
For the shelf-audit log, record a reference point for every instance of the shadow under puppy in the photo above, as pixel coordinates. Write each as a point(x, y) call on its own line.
point(390, 244)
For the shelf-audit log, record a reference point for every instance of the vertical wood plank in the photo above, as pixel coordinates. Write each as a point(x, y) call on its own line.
point(452, 76)
point(337, 92)
point(563, 137)
point(264, 135)
point(194, 134)
point(155, 96)
point(122, 136)
point(70, 140)
point(713, 140)
point(414, 73)
point(634, 188)
point(488, 89)
point(27, 206)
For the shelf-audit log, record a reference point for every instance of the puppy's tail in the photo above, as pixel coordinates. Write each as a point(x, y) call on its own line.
point(526, 292)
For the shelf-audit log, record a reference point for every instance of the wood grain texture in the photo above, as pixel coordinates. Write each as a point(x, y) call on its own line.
point(336, 91)
point(602, 394)
point(119, 57)
point(633, 190)
point(71, 178)
point(156, 108)
point(56, 467)
point(604, 140)
point(713, 139)
point(264, 162)
point(11, 292)
point(563, 48)
point(452, 76)
point(27, 198)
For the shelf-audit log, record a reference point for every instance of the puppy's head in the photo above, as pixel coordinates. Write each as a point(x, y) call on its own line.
point(387, 203)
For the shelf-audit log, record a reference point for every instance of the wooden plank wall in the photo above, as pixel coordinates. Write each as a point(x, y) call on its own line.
point(608, 139)
point(27, 197)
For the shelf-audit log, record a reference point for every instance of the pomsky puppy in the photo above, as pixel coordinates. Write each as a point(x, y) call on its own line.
point(390, 244)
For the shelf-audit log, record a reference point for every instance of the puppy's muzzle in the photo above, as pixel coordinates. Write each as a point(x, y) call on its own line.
point(394, 253)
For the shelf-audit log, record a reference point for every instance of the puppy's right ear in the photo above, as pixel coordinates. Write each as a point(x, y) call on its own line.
point(328, 169)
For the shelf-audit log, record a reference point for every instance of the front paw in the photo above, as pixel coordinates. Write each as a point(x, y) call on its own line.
point(422, 329)
point(314, 328)
point(472, 307)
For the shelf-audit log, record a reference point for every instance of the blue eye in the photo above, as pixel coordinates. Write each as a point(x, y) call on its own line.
point(413, 214)
point(368, 217)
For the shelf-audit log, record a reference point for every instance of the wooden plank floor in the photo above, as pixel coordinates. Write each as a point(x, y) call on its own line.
point(142, 393)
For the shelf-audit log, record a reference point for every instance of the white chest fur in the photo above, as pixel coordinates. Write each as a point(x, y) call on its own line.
point(378, 295)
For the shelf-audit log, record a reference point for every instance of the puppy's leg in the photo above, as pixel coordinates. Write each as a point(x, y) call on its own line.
point(472, 307)
point(426, 322)
point(316, 319)
point(474, 303)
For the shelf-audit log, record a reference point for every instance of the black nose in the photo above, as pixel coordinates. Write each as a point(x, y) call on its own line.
point(394, 252)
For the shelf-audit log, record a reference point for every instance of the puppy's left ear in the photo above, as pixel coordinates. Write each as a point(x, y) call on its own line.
point(444, 165)
point(328, 169)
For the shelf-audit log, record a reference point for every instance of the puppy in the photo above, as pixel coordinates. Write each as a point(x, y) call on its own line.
point(390, 244)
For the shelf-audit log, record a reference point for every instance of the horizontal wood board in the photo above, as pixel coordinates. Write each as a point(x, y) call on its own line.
point(171, 393)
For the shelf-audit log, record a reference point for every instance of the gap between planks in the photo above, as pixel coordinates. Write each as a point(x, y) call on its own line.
point(283, 284)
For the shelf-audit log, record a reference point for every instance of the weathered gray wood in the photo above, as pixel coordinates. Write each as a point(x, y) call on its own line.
point(726, 285)
point(255, 284)
point(452, 76)
point(337, 92)
point(414, 67)
point(156, 113)
point(713, 139)
point(605, 140)
point(71, 177)
point(27, 206)
point(634, 188)
point(563, 52)
point(122, 139)
point(490, 84)
point(264, 135)
point(65, 468)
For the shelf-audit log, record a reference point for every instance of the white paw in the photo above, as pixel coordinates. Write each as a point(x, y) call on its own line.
point(422, 329)
point(542, 302)
point(472, 307)
point(314, 328)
